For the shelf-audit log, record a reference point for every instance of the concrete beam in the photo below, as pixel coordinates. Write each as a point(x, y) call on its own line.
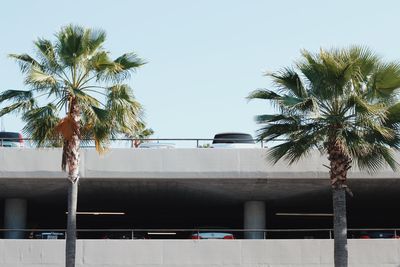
point(170, 164)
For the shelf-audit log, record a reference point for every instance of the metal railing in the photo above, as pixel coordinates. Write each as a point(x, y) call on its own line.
point(196, 233)
point(129, 142)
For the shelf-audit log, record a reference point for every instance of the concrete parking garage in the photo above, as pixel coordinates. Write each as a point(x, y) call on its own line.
point(188, 189)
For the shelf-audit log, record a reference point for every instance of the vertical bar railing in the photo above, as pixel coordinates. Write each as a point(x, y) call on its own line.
point(200, 142)
point(373, 233)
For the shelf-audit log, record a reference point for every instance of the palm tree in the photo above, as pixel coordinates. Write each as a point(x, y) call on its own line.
point(142, 132)
point(341, 102)
point(75, 93)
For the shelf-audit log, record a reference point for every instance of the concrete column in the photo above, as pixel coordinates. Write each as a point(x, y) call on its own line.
point(254, 218)
point(15, 210)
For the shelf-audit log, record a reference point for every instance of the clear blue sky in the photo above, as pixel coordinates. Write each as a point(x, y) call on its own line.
point(204, 56)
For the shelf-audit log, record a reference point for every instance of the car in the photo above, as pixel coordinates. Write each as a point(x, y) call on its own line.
point(212, 235)
point(11, 139)
point(233, 140)
point(156, 145)
point(46, 235)
point(377, 234)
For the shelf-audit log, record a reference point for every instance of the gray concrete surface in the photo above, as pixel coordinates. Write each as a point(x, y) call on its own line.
point(169, 164)
point(198, 253)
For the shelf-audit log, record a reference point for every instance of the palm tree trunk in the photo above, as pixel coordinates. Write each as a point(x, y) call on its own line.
point(339, 165)
point(72, 159)
point(70, 246)
point(340, 227)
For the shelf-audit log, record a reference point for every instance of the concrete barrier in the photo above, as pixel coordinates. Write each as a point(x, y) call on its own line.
point(198, 253)
point(170, 164)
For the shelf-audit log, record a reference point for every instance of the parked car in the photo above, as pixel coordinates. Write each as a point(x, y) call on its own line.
point(212, 235)
point(46, 235)
point(377, 234)
point(11, 139)
point(233, 140)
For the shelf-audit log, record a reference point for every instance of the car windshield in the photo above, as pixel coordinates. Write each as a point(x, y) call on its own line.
point(233, 138)
point(9, 137)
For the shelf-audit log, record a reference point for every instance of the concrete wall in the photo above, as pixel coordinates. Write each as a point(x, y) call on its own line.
point(168, 163)
point(204, 253)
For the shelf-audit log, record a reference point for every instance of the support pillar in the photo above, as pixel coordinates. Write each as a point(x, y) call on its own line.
point(254, 218)
point(15, 210)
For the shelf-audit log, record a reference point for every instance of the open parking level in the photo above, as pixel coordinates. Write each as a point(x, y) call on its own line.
point(188, 189)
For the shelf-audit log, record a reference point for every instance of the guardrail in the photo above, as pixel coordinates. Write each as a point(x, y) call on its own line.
point(196, 233)
point(132, 142)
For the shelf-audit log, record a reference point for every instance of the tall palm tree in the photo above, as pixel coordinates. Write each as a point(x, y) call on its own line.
point(75, 93)
point(341, 102)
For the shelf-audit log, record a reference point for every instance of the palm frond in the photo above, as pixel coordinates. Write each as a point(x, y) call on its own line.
point(46, 52)
point(268, 118)
point(385, 80)
point(22, 106)
point(393, 115)
point(92, 40)
point(15, 95)
point(23, 101)
point(101, 134)
point(293, 150)
point(263, 94)
point(129, 61)
point(289, 82)
point(364, 107)
point(25, 61)
point(100, 62)
point(39, 79)
point(121, 68)
point(85, 99)
point(124, 110)
point(373, 157)
point(40, 125)
point(69, 44)
point(363, 59)
point(277, 152)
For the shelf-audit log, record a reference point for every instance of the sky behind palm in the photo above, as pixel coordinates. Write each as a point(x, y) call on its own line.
point(204, 57)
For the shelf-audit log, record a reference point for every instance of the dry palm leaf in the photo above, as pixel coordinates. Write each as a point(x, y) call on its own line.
point(67, 127)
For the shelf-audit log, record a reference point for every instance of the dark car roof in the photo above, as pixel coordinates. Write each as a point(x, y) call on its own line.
point(9, 135)
point(232, 133)
point(233, 138)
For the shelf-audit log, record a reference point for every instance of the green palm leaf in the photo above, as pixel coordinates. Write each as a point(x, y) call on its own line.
point(40, 125)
